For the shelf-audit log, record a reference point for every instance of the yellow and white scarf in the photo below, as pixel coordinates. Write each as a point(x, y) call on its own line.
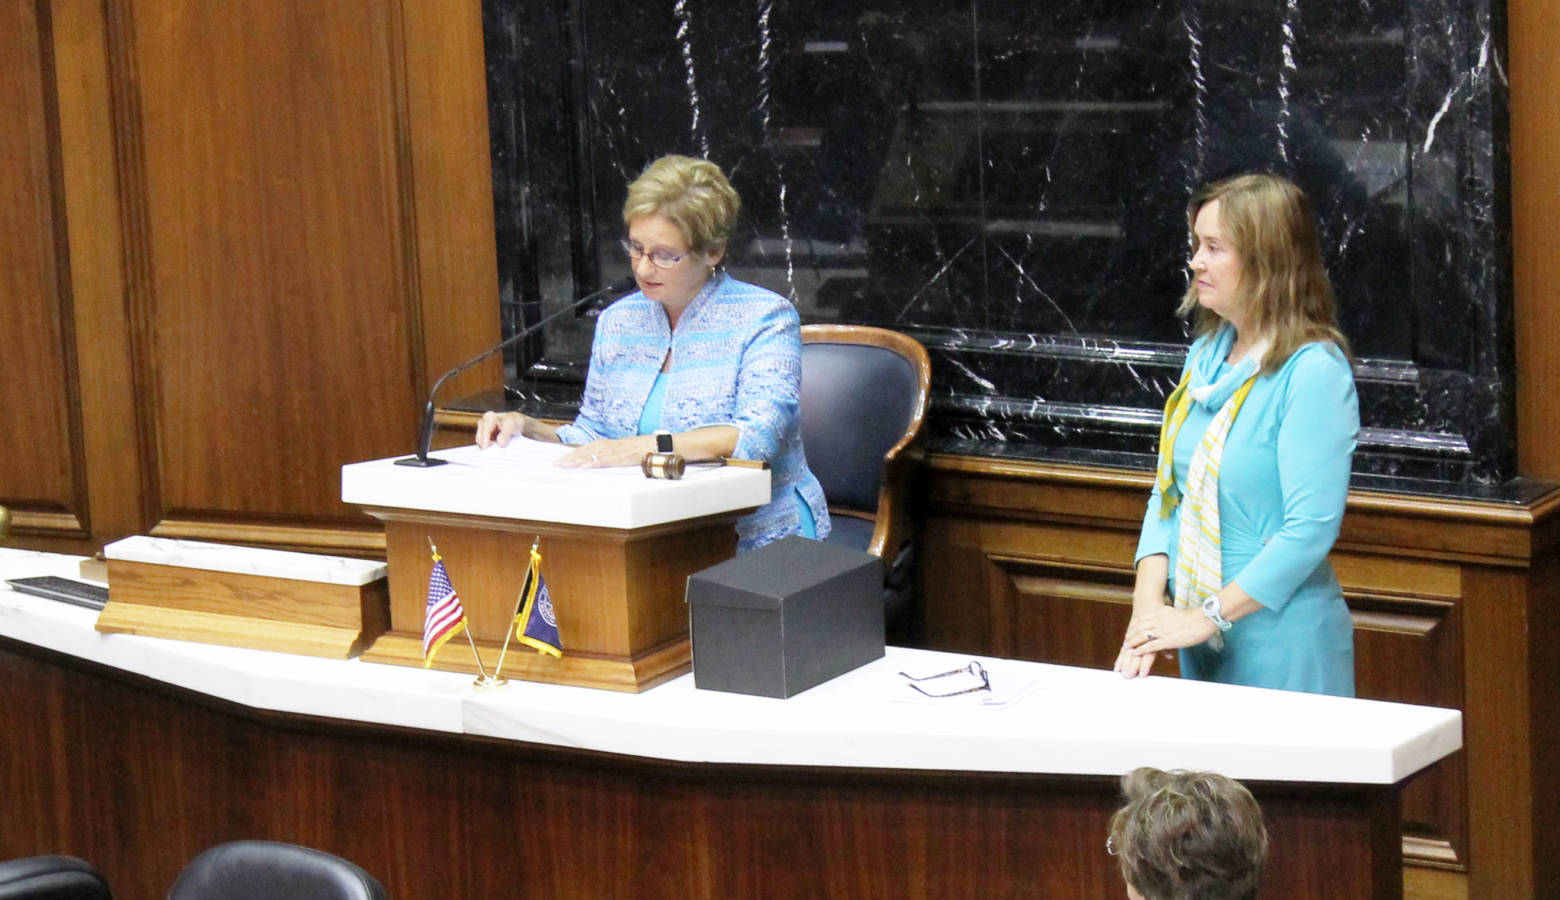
point(1199, 567)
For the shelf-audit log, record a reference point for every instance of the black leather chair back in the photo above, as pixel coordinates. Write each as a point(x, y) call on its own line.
point(267, 870)
point(51, 878)
point(857, 401)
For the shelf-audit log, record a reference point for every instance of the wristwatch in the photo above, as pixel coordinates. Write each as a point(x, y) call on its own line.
point(663, 442)
point(1215, 612)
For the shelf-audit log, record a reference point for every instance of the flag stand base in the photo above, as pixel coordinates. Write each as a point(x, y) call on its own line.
point(654, 666)
point(489, 683)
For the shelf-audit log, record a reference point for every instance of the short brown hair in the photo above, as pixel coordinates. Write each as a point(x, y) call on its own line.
point(693, 194)
point(1188, 836)
point(1271, 226)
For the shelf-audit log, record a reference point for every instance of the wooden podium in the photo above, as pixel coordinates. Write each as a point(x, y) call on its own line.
point(617, 549)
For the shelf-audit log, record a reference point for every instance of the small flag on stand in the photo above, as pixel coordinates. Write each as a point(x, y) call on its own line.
point(444, 616)
point(536, 624)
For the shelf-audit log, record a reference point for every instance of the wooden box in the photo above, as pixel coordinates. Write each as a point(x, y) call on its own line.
point(303, 603)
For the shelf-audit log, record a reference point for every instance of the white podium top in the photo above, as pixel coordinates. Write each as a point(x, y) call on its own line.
point(1052, 719)
point(520, 482)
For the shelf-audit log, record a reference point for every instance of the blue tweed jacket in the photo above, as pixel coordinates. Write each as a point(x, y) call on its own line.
point(736, 360)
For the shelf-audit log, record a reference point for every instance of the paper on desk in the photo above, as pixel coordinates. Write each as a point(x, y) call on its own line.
point(882, 682)
point(522, 453)
point(519, 452)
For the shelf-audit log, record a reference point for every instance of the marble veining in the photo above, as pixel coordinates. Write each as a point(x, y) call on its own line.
point(1007, 183)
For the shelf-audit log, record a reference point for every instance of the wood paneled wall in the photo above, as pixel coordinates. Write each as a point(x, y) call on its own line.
point(274, 250)
point(1533, 33)
point(40, 468)
point(237, 245)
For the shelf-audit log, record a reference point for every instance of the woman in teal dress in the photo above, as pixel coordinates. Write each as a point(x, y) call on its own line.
point(1254, 459)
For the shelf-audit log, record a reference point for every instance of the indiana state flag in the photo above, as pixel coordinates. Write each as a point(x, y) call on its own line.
point(536, 624)
point(444, 617)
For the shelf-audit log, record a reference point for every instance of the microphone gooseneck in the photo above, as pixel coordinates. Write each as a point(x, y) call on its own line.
point(425, 438)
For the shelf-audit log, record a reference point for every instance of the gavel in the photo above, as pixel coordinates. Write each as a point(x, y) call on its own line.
point(668, 465)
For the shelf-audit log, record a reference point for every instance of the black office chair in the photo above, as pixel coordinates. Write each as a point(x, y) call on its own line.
point(864, 395)
point(263, 870)
point(51, 878)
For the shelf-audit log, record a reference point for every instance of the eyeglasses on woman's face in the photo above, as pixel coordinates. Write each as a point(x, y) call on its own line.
point(660, 257)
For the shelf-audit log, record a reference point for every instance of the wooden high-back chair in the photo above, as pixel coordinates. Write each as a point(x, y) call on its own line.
point(864, 396)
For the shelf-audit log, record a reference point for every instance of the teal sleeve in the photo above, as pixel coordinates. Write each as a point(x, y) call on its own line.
point(1156, 534)
point(1319, 420)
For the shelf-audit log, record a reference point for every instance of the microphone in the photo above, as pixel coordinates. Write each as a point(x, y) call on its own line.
point(422, 459)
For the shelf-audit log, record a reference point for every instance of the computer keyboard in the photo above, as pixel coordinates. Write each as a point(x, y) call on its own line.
point(65, 590)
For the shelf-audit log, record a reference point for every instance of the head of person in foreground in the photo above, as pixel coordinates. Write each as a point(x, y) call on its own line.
point(1183, 835)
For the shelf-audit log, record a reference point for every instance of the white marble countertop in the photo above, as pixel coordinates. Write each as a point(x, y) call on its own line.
point(316, 567)
point(520, 482)
point(1054, 719)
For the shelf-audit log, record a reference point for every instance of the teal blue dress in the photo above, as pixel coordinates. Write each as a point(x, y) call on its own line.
point(1282, 488)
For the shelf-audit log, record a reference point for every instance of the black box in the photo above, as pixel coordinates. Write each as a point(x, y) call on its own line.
point(782, 618)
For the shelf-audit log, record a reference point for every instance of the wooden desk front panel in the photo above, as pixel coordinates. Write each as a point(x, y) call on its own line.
point(1035, 562)
point(1046, 604)
point(139, 778)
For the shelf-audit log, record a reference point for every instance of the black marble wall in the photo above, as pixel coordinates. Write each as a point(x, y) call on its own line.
point(1007, 182)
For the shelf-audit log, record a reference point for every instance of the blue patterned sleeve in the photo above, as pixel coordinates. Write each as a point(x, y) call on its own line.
point(1316, 436)
point(587, 426)
point(769, 383)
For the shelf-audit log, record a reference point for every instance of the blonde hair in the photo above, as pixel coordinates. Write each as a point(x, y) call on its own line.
point(693, 194)
point(1284, 287)
point(1188, 836)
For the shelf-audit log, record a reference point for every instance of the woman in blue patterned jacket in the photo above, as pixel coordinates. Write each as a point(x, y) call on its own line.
point(713, 360)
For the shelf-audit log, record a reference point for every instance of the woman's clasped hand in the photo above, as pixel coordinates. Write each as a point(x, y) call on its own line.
point(1160, 631)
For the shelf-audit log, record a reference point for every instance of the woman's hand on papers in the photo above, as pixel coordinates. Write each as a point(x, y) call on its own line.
point(499, 427)
point(709, 442)
point(628, 451)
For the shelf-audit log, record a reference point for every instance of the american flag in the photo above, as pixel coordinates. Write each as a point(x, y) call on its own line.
point(444, 617)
